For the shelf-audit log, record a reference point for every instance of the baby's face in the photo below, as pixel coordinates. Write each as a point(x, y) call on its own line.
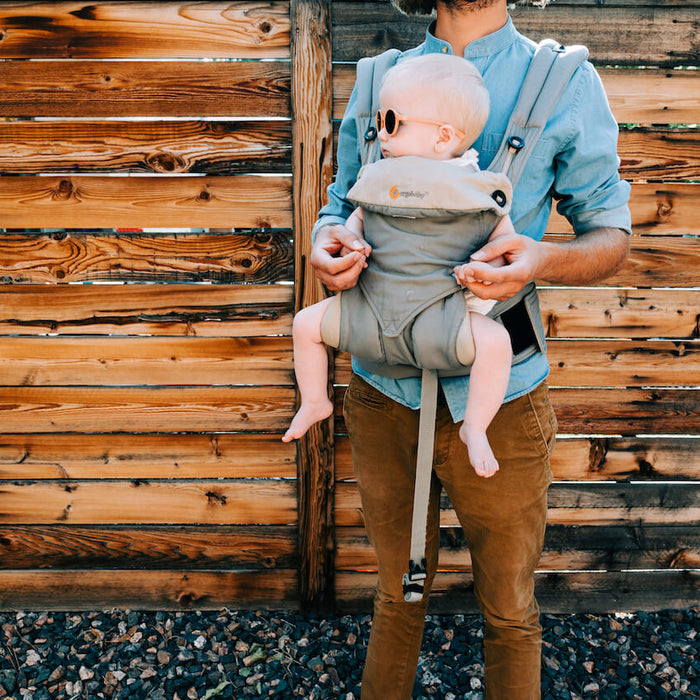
point(413, 138)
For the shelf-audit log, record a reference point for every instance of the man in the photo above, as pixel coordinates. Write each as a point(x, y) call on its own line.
point(503, 517)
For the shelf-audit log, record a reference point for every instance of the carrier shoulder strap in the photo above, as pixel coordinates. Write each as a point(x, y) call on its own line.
point(370, 72)
point(548, 75)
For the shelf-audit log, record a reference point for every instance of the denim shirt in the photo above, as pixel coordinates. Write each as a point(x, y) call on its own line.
point(576, 157)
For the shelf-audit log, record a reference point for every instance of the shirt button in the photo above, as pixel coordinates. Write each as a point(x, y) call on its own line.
point(444, 49)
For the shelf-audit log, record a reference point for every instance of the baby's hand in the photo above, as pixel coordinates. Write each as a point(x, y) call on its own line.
point(468, 273)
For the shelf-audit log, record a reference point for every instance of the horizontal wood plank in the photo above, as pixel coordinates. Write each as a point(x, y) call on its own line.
point(670, 209)
point(168, 310)
point(97, 89)
point(72, 589)
point(577, 504)
point(145, 361)
point(636, 96)
point(210, 147)
point(248, 502)
point(605, 363)
point(627, 313)
point(655, 261)
point(598, 459)
point(630, 412)
point(162, 409)
point(561, 593)
point(147, 546)
point(628, 35)
point(62, 257)
point(668, 154)
point(143, 202)
point(144, 30)
point(98, 456)
point(595, 547)
point(619, 363)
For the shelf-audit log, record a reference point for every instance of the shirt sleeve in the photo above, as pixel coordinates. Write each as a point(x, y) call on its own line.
point(587, 185)
point(348, 157)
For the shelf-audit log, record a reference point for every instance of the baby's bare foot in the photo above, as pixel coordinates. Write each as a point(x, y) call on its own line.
point(308, 414)
point(480, 454)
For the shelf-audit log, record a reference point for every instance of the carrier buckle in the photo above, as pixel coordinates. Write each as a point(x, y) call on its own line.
point(414, 581)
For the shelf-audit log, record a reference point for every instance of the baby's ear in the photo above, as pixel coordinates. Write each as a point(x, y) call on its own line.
point(446, 138)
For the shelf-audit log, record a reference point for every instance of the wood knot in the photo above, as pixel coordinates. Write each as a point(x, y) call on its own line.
point(65, 189)
point(664, 209)
point(204, 196)
point(166, 163)
point(216, 498)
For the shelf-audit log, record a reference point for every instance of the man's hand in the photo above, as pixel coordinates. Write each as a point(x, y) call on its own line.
point(586, 259)
point(522, 257)
point(338, 256)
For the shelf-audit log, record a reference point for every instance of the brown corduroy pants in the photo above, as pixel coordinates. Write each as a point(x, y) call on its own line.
point(503, 519)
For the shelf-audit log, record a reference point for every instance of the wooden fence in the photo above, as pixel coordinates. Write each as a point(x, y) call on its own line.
point(161, 167)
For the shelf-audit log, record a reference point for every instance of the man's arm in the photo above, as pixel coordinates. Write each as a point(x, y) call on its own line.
point(588, 258)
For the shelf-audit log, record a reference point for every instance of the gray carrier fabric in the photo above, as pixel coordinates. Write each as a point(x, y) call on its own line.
point(549, 73)
point(421, 217)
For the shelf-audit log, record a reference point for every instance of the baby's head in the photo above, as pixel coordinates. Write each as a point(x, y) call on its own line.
point(446, 92)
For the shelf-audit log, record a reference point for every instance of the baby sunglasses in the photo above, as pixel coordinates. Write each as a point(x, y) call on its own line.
point(391, 120)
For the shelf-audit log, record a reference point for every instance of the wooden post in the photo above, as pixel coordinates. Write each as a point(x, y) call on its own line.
point(312, 157)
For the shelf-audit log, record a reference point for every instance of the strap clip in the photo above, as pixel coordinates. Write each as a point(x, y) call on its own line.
point(414, 581)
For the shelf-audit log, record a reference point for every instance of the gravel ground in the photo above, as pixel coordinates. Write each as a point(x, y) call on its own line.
point(227, 654)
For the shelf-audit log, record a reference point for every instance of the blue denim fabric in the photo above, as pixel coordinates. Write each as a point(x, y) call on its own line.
point(576, 157)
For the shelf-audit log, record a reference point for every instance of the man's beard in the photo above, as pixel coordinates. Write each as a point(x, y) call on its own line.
point(460, 5)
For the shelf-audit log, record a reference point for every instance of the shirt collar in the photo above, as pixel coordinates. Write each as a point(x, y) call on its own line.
point(485, 46)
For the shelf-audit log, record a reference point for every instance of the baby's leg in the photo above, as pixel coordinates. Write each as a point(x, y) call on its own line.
point(488, 382)
point(310, 368)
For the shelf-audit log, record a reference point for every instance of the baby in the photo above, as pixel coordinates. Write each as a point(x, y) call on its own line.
point(432, 108)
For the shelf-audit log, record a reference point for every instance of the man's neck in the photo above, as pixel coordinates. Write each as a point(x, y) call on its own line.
point(460, 26)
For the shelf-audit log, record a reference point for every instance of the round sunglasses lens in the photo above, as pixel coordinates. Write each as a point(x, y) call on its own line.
point(390, 122)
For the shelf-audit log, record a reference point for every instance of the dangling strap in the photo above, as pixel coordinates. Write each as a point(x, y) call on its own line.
point(548, 75)
point(414, 580)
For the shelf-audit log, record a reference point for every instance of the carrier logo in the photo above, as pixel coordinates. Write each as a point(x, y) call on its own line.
point(395, 193)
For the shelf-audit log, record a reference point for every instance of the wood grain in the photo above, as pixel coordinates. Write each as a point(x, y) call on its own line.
point(139, 410)
point(312, 137)
point(168, 310)
point(147, 546)
point(72, 589)
point(169, 147)
point(63, 257)
point(144, 30)
point(34, 456)
point(249, 502)
point(145, 361)
point(142, 202)
point(98, 89)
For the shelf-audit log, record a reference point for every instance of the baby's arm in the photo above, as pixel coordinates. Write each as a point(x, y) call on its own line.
point(356, 224)
point(466, 272)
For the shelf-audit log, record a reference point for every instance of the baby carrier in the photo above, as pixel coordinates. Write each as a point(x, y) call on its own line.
point(547, 77)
